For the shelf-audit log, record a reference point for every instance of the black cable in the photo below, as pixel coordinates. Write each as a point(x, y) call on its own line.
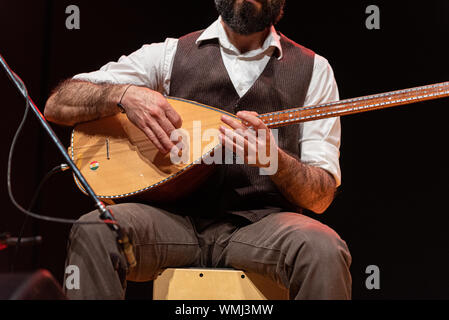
point(105, 213)
point(47, 176)
point(11, 152)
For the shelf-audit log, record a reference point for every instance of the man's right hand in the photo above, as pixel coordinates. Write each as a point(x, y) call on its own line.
point(151, 112)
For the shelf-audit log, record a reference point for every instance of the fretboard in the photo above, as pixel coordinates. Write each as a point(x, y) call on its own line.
point(356, 105)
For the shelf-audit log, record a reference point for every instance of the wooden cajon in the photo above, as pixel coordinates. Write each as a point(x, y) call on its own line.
point(215, 284)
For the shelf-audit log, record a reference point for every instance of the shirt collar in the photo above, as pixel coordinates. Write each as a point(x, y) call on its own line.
point(216, 31)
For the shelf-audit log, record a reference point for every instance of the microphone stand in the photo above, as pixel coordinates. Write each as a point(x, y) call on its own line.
point(105, 213)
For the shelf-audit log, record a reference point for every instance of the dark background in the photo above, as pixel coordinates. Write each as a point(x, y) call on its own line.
point(391, 208)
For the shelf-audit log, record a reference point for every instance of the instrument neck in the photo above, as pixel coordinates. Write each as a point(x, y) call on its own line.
point(356, 105)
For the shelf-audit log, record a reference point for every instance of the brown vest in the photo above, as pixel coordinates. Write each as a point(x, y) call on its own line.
point(199, 74)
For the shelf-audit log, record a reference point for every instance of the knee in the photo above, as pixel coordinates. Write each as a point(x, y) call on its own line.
point(92, 226)
point(89, 227)
point(316, 243)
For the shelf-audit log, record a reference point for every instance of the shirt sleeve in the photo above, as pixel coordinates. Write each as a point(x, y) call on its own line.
point(320, 139)
point(149, 66)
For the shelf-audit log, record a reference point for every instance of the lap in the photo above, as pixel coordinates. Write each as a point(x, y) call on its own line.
point(274, 245)
point(161, 239)
point(279, 230)
point(148, 225)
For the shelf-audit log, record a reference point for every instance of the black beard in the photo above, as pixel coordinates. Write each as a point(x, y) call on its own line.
point(247, 19)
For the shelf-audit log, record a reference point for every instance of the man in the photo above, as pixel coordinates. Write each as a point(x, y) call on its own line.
point(239, 218)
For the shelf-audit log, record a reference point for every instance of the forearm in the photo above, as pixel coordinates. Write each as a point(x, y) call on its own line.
point(306, 186)
point(75, 101)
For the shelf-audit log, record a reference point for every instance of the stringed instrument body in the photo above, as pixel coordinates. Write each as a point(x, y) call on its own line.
point(119, 161)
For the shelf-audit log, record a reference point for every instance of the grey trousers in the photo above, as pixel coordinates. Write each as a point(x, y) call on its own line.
point(298, 252)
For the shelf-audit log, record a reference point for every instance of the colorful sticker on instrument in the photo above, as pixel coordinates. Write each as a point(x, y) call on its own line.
point(94, 165)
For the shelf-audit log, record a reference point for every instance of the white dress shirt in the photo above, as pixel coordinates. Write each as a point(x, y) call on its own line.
point(152, 64)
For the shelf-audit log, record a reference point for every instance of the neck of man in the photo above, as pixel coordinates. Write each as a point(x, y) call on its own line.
point(245, 43)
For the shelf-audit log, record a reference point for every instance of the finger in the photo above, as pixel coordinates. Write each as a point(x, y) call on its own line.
point(237, 139)
point(252, 118)
point(232, 122)
point(232, 146)
point(165, 124)
point(177, 150)
point(150, 134)
point(247, 152)
point(246, 123)
point(248, 134)
point(158, 113)
point(172, 115)
point(160, 135)
point(253, 113)
point(248, 142)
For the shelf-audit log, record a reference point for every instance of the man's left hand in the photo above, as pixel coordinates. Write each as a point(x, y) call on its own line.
point(250, 139)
